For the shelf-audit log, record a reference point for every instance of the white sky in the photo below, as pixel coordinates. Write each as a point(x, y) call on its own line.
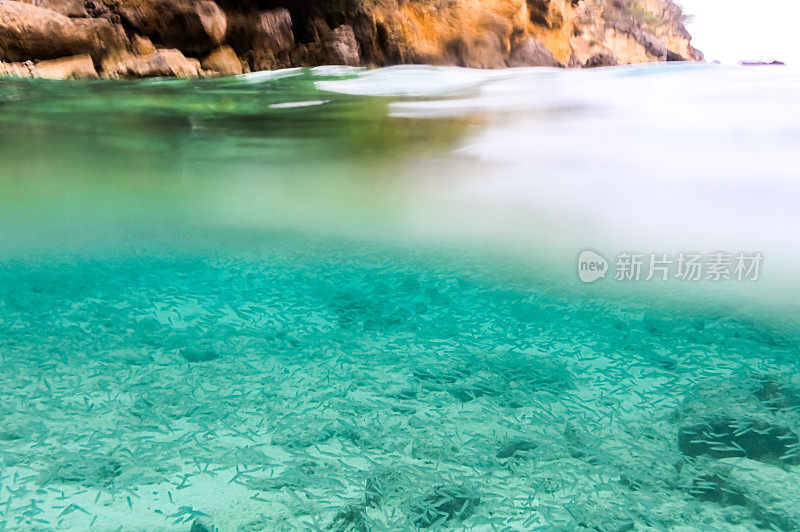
point(734, 30)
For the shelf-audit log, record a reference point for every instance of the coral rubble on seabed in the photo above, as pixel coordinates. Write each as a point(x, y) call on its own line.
point(271, 394)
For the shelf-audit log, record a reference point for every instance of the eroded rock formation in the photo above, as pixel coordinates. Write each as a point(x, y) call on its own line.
point(134, 38)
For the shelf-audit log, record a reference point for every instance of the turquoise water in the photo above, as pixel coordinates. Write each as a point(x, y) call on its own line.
point(349, 300)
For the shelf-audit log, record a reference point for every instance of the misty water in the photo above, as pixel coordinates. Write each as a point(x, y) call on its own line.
point(349, 299)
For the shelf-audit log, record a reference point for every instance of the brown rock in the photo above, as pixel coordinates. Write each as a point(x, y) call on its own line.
point(530, 53)
point(601, 60)
point(31, 32)
point(481, 51)
point(263, 31)
point(762, 63)
point(68, 8)
point(273, 31)
point(185, 24)
point(695, 54)
point(308, 54)
point(16, 70)
point(264, 39)
point(209, 17)
point(471, 33)
point(366, 32)
point(79, 66)
point(162, 63)
point(574, 61)
point(258, 60)
point(343, 48)
point(142, 45)
point(223, 61)
point(672, 56)
point(652, 44)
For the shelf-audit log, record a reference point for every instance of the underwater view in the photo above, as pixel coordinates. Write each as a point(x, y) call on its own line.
point(402, 298)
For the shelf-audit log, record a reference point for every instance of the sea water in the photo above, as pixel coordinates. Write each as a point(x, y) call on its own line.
point(351, 299)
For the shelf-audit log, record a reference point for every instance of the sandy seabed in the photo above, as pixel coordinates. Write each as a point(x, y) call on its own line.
point(275, 393)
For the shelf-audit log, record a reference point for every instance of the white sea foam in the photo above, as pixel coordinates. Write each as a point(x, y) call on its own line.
point(270, 75)
point(292, 105)
point(411, 81)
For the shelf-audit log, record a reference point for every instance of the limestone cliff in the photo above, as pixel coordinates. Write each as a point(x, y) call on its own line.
point(136, 38)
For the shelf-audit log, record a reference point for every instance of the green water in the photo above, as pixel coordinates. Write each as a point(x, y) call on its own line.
point(219, 309)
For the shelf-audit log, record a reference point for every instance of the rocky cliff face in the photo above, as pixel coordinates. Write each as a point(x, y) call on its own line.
point(135, 38)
